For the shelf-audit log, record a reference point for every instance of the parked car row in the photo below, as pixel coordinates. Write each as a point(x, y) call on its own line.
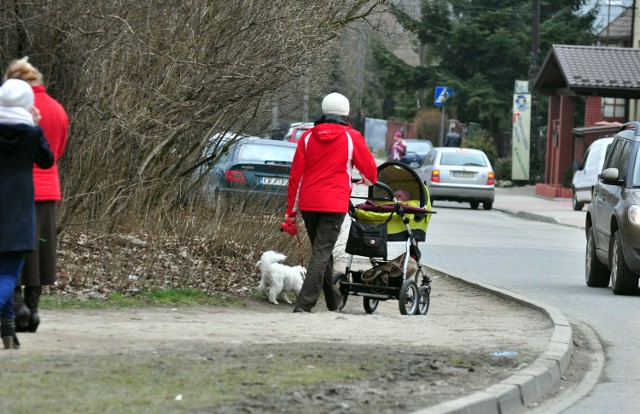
point(262, 166)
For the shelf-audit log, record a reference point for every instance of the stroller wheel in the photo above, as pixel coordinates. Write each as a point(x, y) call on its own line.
point(370, 305)
point(423, 300)
point(338, 278)
point(408, 298)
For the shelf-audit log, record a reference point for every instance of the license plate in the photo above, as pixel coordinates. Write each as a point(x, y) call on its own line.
point(274, 181)
point(464, 174)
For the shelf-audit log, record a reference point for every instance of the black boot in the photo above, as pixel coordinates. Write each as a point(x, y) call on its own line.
point(20, 309)
point(8, 334)
point(31, 299)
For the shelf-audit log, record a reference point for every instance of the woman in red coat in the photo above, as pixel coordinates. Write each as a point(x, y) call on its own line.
point(320, 189)
point(40, 265)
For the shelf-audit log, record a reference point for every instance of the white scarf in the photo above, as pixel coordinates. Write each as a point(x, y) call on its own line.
point(13, 115)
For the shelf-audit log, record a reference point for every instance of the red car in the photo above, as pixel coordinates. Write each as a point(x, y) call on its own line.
point(296, 130)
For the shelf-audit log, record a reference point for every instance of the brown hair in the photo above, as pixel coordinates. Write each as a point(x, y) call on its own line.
point(22, 69)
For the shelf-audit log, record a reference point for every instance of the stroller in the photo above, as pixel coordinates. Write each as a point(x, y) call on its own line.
point(406, 220)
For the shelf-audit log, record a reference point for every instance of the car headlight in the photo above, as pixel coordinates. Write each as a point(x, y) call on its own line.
point(634, 215)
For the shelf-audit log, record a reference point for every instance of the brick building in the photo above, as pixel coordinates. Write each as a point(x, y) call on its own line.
point(607, 77)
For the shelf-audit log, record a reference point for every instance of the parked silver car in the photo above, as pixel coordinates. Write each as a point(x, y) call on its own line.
point(459, 174)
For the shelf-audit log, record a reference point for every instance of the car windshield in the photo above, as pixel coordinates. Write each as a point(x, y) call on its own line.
point(460, 159)
point(419, 147)
point(262, 152)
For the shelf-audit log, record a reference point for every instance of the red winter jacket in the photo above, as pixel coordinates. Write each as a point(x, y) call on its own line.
point(321, 171)
point(55, 124)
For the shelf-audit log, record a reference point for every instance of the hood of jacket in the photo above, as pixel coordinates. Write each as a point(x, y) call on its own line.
point(10, 136)
point(330, 127)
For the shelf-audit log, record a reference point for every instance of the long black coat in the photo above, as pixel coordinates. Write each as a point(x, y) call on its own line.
point(20, 147)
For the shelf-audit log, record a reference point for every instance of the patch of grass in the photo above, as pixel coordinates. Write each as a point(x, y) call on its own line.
point(209, 379)
point(461, 362)
point(144, 297)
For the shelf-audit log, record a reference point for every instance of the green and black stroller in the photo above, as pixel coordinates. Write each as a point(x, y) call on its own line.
point(397, 209)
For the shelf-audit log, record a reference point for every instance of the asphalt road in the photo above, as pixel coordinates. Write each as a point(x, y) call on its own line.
point(544, 262)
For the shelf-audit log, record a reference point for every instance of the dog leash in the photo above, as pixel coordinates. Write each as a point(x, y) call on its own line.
point(300, 249)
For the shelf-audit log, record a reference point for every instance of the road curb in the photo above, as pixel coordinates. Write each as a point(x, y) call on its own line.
point(517, 392)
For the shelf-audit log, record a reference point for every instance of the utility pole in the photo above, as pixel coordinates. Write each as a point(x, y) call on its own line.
point(533, 70)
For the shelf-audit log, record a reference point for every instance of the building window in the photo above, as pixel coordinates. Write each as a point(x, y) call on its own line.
point(613, 107)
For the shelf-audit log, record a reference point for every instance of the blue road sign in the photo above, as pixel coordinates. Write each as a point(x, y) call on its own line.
point(442, 93)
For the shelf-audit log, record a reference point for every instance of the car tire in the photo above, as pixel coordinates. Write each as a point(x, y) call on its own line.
point(474, 205)
point(596, 274)
point(487, 205)
point(576, 205)
point(623, 280)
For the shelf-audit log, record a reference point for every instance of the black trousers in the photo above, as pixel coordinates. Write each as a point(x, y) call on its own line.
point(323, 230)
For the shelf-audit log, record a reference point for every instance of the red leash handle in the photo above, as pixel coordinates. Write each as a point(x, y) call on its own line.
point(291, 227)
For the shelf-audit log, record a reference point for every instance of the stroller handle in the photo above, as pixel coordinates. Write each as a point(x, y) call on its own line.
point(379, 184)
point(385, 188)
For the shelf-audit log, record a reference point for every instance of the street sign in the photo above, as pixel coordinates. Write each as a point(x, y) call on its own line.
point(442, 93)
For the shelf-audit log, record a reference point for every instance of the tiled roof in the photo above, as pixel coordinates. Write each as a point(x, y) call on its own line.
point(590, 70)
point(620, 28)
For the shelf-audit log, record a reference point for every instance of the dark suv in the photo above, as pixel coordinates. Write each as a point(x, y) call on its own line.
point(613, 217)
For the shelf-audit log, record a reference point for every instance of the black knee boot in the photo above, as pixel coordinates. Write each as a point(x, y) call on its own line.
point(31, 299)
point(8, 334)
point(21, 310)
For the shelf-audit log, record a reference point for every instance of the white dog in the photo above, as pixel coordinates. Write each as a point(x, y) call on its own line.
point(279, 279)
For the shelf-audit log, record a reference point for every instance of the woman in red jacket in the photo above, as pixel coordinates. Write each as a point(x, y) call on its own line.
point(40, 265)
point(320, 188)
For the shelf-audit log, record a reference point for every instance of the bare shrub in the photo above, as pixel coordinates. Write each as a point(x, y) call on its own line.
point(147, 83)
point(213, 249)
point(428, 124)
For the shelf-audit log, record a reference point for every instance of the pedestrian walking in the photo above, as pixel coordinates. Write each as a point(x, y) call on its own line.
point(40, 265)
point(399, 147)
point(22, 143)
point(320, 189)
point(453, 139)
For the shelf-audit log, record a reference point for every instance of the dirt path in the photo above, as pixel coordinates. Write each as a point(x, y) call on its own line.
point(421, 361)
point(460, 318)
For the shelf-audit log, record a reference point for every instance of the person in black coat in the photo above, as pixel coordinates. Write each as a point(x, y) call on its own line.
point(453, 139)
point(22, 144)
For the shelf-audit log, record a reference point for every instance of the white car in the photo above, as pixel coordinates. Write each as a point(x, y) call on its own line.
point(586, 174)
point(459, 174)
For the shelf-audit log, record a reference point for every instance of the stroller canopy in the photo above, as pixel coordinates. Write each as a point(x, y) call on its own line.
point(400, 176)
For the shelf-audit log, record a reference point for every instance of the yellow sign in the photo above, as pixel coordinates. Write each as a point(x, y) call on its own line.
point(521, 136)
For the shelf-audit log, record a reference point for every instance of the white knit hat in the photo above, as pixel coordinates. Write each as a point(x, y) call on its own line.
point(335, 104)
point(16, 93)
point(16, 101)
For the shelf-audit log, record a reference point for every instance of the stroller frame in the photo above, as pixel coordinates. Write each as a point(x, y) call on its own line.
point(412, 292)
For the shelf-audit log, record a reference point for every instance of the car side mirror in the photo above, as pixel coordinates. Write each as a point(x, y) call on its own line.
point(610, 175)
point(414, 164)
point(575, 165)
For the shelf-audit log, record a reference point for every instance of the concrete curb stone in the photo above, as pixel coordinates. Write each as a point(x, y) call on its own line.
point(514, 394)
